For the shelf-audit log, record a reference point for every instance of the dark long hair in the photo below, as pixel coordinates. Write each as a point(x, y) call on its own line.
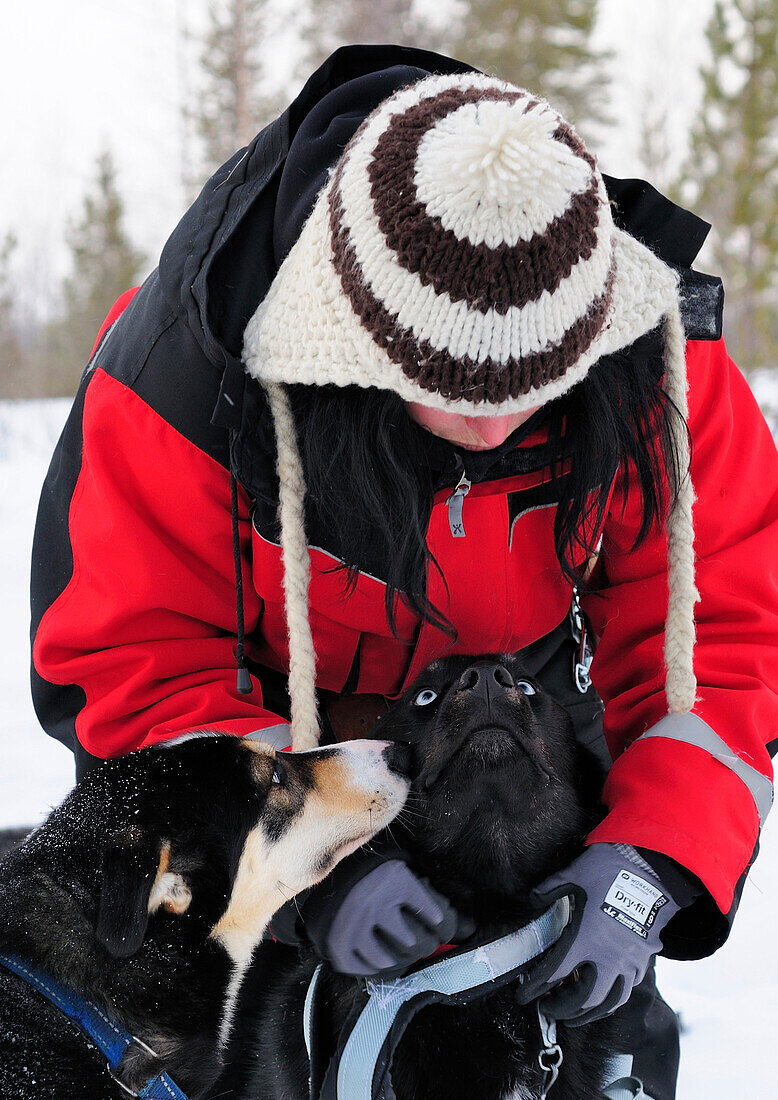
point(371, 470)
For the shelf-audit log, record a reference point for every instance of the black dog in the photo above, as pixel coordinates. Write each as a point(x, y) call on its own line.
point(146, 891)
point(502, 796)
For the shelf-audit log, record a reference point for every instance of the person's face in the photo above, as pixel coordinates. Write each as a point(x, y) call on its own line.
point(472, 433)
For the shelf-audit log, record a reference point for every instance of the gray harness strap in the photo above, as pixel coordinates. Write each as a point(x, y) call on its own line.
point(310, 995)
point(367, 1052)
point(626, 1088)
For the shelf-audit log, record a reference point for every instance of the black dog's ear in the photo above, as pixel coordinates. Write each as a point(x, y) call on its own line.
point(136, 881)
point(130, 862)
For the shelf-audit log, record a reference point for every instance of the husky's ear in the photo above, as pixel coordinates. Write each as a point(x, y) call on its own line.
point(136, 881)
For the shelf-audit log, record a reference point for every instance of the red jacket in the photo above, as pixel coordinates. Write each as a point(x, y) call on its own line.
point(145, 627)
point(134, 586)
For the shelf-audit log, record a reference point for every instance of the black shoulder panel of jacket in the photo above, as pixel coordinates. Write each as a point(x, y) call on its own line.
point(676, 236)
point(702, 305)
point(673, 233)
point(52, 568)
point(152, 351)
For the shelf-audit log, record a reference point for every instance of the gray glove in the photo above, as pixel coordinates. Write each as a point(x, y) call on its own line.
point(619, 909)
point(383, 923)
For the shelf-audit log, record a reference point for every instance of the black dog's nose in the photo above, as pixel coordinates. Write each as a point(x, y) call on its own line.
point(486, 680)
point(398, 757)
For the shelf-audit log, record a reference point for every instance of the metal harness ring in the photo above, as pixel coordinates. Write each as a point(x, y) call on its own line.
point(550, 1058)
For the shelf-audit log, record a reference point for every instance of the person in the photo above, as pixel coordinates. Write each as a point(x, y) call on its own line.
point(411, 379)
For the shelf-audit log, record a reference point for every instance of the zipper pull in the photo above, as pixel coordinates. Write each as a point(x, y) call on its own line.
point(455, 505)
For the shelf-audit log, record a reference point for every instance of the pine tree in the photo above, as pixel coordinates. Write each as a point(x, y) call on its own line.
point(11, 357)
point(232, 105)
point(543, 45)
point(104, 264)
point(333, 23)
point(733, 170)
point(654, 150)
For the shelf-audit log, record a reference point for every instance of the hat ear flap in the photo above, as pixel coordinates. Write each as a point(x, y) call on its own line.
point(131, 862)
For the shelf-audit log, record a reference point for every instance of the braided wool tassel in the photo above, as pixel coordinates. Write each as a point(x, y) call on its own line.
point(302, 658)
point(680, 685)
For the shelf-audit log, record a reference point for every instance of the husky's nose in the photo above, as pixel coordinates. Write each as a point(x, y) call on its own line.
point(398, 757)
point(486, 680)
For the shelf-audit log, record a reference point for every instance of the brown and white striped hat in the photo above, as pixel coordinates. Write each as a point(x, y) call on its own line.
point(462, 254)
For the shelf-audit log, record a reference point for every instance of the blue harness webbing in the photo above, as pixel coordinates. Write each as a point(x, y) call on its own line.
point(110, 1039)
point(360, 1069)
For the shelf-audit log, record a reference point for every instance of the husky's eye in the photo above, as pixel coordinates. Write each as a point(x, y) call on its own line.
point(278, 777)
point(525, 686)
point(425, 697)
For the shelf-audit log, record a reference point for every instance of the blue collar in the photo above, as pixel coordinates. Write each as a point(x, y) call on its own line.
point(360, 1069)
point(107, 1036)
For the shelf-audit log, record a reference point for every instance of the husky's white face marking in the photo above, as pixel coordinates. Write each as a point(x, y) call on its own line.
point(320, 806)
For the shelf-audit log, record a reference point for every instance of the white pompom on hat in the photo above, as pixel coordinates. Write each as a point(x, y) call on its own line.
point(463, 255)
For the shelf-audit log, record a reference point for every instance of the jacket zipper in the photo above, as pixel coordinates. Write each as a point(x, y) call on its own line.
point(456, 505)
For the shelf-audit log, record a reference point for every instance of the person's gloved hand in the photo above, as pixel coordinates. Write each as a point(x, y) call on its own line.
point(382, 923)
point(619, 908)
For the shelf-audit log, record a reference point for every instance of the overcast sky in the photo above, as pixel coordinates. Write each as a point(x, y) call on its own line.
point(82, 75)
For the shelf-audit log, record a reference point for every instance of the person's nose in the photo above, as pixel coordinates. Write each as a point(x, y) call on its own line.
point(492, 430)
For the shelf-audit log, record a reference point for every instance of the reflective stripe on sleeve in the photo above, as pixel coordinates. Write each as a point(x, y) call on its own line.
point(280, 736)
point(691, 729)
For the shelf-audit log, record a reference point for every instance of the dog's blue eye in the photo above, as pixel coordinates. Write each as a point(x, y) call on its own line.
point(276, 777)
point(425, 697)
point(525, 686)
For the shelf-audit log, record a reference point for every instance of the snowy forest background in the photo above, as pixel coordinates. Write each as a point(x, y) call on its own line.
point(115, 114)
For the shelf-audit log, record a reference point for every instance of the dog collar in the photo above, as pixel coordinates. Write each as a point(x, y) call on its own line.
point(110, 1039)
point(360, 1068)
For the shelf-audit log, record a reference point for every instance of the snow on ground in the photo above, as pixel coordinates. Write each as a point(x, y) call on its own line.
point(728, 1004)
point(35, 772)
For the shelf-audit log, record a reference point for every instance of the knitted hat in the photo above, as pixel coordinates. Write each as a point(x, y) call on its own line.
point(462, 254)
